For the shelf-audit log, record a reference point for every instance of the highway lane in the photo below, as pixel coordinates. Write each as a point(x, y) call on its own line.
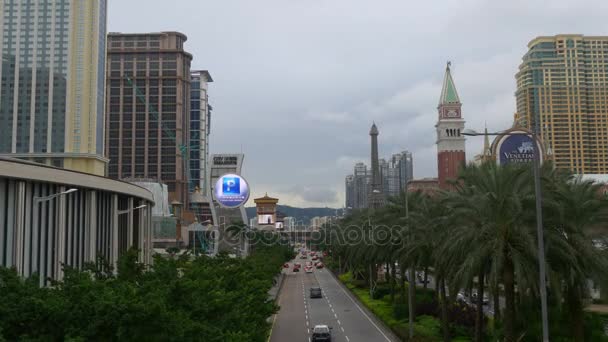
point(298, 313)
point(290, 323)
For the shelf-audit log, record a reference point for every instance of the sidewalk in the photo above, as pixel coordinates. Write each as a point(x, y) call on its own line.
point(273, 293)
point(276, 288)
point(598, 308)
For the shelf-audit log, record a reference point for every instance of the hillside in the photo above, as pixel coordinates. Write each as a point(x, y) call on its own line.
point(301, 214)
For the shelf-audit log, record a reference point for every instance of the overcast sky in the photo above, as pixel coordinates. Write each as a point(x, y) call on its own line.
point(298, 83)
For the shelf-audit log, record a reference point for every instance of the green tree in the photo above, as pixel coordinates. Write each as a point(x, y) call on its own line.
point(492, 205)
point(573, 208)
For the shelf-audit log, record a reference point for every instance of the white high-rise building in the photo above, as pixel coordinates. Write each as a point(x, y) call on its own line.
point(290, 223)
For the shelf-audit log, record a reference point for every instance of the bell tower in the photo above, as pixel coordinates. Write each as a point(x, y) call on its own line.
point(450, 125)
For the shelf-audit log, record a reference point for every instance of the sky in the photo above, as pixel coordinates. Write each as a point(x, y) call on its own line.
point(297, 84)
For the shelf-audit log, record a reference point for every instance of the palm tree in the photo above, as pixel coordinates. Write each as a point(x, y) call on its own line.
point(574, 207)
point(492, 235)
point(431, 223)
point(393, 216)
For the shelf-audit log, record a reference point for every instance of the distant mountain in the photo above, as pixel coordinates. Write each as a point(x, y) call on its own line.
point(301, 214)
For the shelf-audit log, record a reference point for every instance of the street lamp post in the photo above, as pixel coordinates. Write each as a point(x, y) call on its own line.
point(177, 205)
point(539, 224)
point(371, 265)
point(130, 226)
point(38, 199)
point(120, 212)
point(411, 275)
point(206, 222)
point(60, 242)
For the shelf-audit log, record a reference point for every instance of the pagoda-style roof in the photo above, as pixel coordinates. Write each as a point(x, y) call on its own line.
point(266, 199)
point(449, 95)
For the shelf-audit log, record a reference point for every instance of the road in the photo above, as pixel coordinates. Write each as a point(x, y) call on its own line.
point(298, 313)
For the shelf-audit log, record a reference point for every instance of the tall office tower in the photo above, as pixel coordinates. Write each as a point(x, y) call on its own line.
point(376, 194)
point(393, 182)
point(200, 127)
point(349, 200)
point(450, 141)
point(384, 174)
point(406, 169)
point(148, 109)
point(361, 187)
point(562, 93)
point(52, 82)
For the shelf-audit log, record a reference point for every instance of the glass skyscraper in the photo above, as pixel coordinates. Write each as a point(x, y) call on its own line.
point(52, 82)
point(200, 126)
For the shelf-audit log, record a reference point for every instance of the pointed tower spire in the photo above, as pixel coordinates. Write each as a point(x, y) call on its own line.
point(448, 91)
point(374, 129)
point(450, 125)
point(486, 143)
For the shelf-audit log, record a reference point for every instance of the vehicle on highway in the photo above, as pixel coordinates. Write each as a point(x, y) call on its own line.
point(461, 297)
point(315, 292)
point(314, 257)
point(320, 265)
point(308, 269)
point(303, 256)
point(296, 268)
point(421, 280)
point(285, 265)
point(485, 300)
point(321, 333)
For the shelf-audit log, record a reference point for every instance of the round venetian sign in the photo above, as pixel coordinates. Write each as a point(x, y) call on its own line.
point(231, 191)
point(516, 147)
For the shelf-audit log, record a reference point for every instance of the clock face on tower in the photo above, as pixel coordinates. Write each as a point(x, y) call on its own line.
point(451, 114)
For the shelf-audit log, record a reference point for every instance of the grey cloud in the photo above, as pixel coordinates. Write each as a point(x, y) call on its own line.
point(315, 194)
point(298, 83)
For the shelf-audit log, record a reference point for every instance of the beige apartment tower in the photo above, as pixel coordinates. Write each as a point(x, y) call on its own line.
point(148, 109)
point(562, 93)
point(52, 82)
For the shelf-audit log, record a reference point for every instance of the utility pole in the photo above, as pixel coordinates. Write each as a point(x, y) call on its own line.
point(412, 280)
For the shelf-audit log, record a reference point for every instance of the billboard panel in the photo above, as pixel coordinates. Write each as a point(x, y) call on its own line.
point(516, 148)
point(265, 219)
point(231, 191)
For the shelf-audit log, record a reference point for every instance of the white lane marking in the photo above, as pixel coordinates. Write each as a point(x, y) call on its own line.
point(308, 330)
point(342, 329)
point(339, 322)
point(336, 316)
point(348, 339)
point(358, 307)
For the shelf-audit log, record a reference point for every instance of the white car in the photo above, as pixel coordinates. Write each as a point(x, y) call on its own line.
point(308, 269)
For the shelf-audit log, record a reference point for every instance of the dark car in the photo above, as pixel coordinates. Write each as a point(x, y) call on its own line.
point(296, 269)
point(315, 292)
point(321, 333)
